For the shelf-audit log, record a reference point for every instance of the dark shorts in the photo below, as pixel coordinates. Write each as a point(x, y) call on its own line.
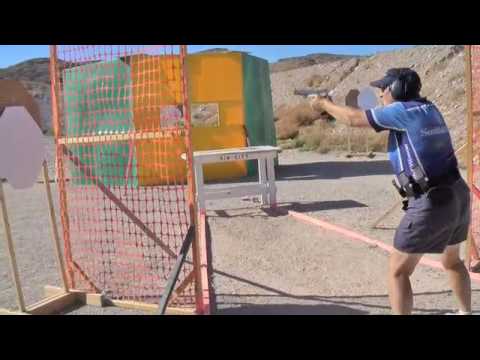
point(435, 220)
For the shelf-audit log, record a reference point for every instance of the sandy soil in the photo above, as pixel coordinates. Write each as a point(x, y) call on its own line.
point(268, 264)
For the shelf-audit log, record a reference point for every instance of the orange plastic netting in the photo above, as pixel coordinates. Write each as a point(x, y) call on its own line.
point(475, 60)
point(121, 128)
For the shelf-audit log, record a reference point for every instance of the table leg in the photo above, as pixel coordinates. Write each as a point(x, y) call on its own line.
point(199, 182)
point(272, 188)
point(263, 180)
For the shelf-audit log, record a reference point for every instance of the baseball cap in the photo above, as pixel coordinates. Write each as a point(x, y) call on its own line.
point(411, 77)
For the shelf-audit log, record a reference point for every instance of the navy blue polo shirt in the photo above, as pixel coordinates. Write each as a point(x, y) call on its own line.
point(418, 136)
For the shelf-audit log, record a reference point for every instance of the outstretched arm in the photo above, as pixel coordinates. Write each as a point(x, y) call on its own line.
point(347, 115)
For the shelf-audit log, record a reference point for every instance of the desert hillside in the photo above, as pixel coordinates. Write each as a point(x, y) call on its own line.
point(441, 68)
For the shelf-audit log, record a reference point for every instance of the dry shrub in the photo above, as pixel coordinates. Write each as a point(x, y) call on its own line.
point(286, 130)
point(290, 144)
point(324, 137)
point(310, 130)
point(378, 142)
point(317, 137)
point(289, 123)
point(316, 81)
point(281, 111)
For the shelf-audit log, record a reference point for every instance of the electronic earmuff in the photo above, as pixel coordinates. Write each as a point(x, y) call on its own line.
point(404, 87)
point(399, 88)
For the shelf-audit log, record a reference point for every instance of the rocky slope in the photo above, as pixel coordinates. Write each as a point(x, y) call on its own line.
point(35, 76)
point(307, 60)
point(441, 68)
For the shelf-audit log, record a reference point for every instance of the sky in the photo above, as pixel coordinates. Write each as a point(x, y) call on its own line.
point(13, 54)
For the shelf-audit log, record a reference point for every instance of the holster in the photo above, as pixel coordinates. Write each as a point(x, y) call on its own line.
point(440, 195)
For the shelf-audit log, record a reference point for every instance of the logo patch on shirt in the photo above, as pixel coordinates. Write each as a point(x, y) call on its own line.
point(439, 130)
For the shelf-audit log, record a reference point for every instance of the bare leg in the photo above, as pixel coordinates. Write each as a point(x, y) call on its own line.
point(475, 266)
point(475, 260)
point(401, 267)
point(458, 277)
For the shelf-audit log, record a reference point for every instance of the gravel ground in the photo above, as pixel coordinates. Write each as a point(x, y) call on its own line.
point(267, 264)
point(278, 265)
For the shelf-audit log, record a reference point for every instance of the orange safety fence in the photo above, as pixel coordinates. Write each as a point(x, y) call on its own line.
point(475, 146)
point(121, 123)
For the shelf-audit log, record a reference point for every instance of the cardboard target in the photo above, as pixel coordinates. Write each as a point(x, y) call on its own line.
point(22, 151)
point(367, 99)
